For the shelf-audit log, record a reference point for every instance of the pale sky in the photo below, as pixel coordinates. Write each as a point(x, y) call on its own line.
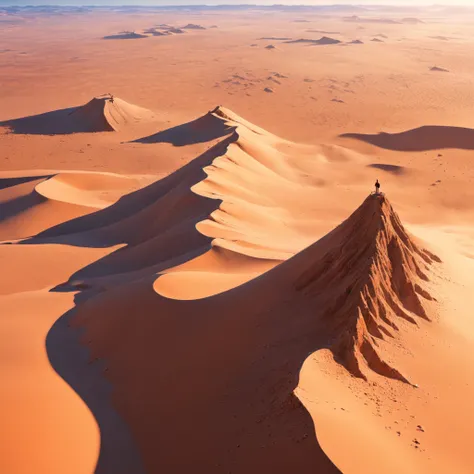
point(226, 2)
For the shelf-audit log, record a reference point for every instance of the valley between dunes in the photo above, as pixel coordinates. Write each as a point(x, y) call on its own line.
point(196, 292)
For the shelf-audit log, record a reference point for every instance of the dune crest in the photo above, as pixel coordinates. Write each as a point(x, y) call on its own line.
point(382, 272)
point(108, 113)
point(104, 113)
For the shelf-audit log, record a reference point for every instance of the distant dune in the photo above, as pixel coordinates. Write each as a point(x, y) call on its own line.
point(325, 40)
point(102, 114)
point(275, 38)
point(156, 32)
point(192, 26)
point(125, 35)
point(357, 19)
point(438, 69)
point(322, 32)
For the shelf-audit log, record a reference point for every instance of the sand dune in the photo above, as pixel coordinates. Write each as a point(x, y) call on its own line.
point(102, 114)
point(304, 308)
point(428, 137)
point(324, 32)
point(193, 26)
point(126, 35)
point(325, 40)
point(156, 32)
point(203, 129)
point(213, 199)
point(34, 203)
point(357, 19)
point(275, 38)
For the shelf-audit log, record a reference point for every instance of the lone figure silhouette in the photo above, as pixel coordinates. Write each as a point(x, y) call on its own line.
point(377, 187)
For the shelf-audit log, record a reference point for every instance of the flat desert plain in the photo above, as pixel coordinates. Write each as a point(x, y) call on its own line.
point(196, 273)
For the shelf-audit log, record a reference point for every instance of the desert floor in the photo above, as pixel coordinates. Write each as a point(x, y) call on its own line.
point(194, 275)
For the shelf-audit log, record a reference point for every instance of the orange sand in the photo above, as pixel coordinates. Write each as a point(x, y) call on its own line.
point(185, 290)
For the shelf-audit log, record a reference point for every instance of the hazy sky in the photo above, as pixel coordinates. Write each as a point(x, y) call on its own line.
point(222, 2)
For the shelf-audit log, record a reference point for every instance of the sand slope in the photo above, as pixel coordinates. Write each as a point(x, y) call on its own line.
point(236, 195)
point(262, 330)
point(102, 114)
point(31, 204)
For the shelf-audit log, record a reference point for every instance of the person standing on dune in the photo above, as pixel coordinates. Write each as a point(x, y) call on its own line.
point(377, 187)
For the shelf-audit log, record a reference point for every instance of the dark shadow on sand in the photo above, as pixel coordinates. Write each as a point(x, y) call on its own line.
point(125, 36)
point(56, 122)
point(394, 169)
point(20, 204)
point(99, 228)
point(428, 137)
point(118, 451)
point(251, 402)
point(201, 130)
point(10, 182)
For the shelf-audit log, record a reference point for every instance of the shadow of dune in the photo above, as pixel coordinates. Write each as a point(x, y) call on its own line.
point(394, 169)
point(428, 137)
point(57, 122)
point(118, 452)
point(10, 182)
point(20, 204)
point(153, 256)
point(203, 129)
point(232, 407)
point(86, 118)
point(142, 214)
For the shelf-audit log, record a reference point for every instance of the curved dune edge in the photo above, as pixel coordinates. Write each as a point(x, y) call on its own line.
point(242, 195)
point(46, 425)
point(104, 113)
point(283, 314)
point(96, 190)
point(37, 200)
point(107, 113)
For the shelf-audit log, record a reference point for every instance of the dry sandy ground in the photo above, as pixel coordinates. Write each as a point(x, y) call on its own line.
point(187, 287)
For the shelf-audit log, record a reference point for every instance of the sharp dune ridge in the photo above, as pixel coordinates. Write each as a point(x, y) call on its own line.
point(212, 199)
point(104, 113)
point(307, 303)
point(40, 201)
point(384, 274)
